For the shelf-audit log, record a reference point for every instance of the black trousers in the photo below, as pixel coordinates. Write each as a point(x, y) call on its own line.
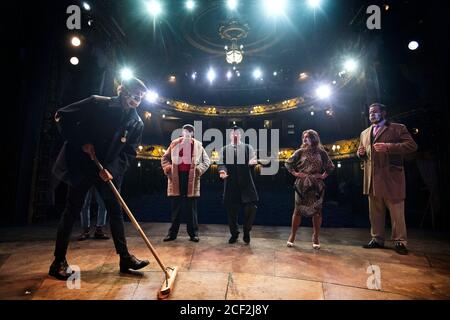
point(249, 216)
point(74, 203)
point(190, 204)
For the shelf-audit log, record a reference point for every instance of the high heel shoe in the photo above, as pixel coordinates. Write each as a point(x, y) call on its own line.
point(316, 246)
point(290, 244)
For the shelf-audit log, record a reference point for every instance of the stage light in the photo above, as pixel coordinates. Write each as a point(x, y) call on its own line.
point(76, 42)
point(351, 65)
point(163, 116)
point(74, 61)
point(275, 73)
point(194, 76)
point(172, 79)
point(152, 96)
point(211, 75)
point(334, 82)
point(229, 75)
point(126, 74)
point(232, 4)
point(303, 76)
point(413, 45)
point(257, 74)
point(86, 6)
point(190, 5)
point(312, 113)
point(275, 7)
point(154, 7)
point(314, 3)
point(90, 22)
point(339, 165)
point(147, 116)
point(238, 73)
point(323, 92)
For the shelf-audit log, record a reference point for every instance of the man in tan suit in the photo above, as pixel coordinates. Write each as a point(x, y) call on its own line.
point(382, 147)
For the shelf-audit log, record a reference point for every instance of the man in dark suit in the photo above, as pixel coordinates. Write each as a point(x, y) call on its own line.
point(110, 129)
point(236, 161)
point(382, 147)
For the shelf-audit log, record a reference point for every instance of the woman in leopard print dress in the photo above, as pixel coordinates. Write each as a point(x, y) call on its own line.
point(311, 165)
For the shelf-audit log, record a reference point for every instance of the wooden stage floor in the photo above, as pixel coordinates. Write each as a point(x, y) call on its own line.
point(264, 270)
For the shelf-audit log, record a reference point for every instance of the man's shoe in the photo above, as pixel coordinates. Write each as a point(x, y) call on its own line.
point(84, 236)
point(194, 239)
point(373, 245)
point(169, 238)
point(233, 239)
point(131, 262)
point(100, 234)
point(59, 270)
point(247, 238)
point(400, 248)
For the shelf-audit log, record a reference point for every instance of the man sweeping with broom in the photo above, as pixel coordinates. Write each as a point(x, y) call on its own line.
point(104, 128)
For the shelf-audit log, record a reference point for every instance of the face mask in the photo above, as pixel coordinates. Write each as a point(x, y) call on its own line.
point(375, 117)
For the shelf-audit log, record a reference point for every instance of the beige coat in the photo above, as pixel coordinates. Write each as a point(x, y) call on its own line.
point(199, 164)
point(384, 174)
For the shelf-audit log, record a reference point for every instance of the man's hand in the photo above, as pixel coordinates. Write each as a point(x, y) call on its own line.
point(105, 175)
point(223, 175)
point(361, 151)
point(89, 149)
point(168, 170)
point(381, 147)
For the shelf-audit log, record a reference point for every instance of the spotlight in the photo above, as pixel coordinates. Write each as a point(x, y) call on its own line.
point(75, 41)
point(314, 3)
point(194, 76)
point(211, 75)
point(323, 92)
point(312, 113)
point(275, 7)
point(147, 116)
point(229, 75)
point(172, 79)
point(329, 112)
point(86, 6)
point(152, 96)
point(303, 76)
point(232, 4)
point(275, 73)
point(90, 22)
point(139, 164)
point(413, 45)
point(257, 74)
point(74, 61)
point(238, 73)
point(190, 5)
point(126, 74)
point(154, 7)
point(163, 116)
point(351, 65)
point(339, 165)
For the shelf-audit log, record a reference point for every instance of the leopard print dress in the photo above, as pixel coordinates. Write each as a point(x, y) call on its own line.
point(309, 191)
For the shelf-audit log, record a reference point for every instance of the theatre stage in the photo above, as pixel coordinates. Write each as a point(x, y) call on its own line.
point(213, 269)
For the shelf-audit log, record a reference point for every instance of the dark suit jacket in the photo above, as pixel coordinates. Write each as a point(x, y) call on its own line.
point(114, 131)
point(239, 186)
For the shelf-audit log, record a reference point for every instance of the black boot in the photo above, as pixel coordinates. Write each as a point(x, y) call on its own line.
point(100, 234)
point(85, 235)
point(131, 262)
point(233, 238)
point(247, 237)
point(59, 270)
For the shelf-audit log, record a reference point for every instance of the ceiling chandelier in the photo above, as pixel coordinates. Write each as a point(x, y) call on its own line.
point(234, 32)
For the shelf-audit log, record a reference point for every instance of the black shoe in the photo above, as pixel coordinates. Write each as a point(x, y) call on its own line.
point(100, 234)
point(131, 262)
point(59, 270)
point(169, 238)
point(400, 248)
point(373, 245)
point(233, 239)
point(194, 239)
point(84, 236)
point(247, 238)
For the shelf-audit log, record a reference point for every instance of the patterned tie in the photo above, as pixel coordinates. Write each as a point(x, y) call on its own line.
point(375, 130)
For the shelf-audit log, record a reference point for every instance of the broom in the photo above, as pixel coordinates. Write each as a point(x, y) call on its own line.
point(169, 272)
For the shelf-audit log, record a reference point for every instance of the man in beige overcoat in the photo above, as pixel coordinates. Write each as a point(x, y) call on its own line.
point(184, 162)
point(382, 147)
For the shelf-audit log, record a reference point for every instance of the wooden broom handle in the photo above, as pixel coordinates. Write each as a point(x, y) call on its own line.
point(133, 220)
